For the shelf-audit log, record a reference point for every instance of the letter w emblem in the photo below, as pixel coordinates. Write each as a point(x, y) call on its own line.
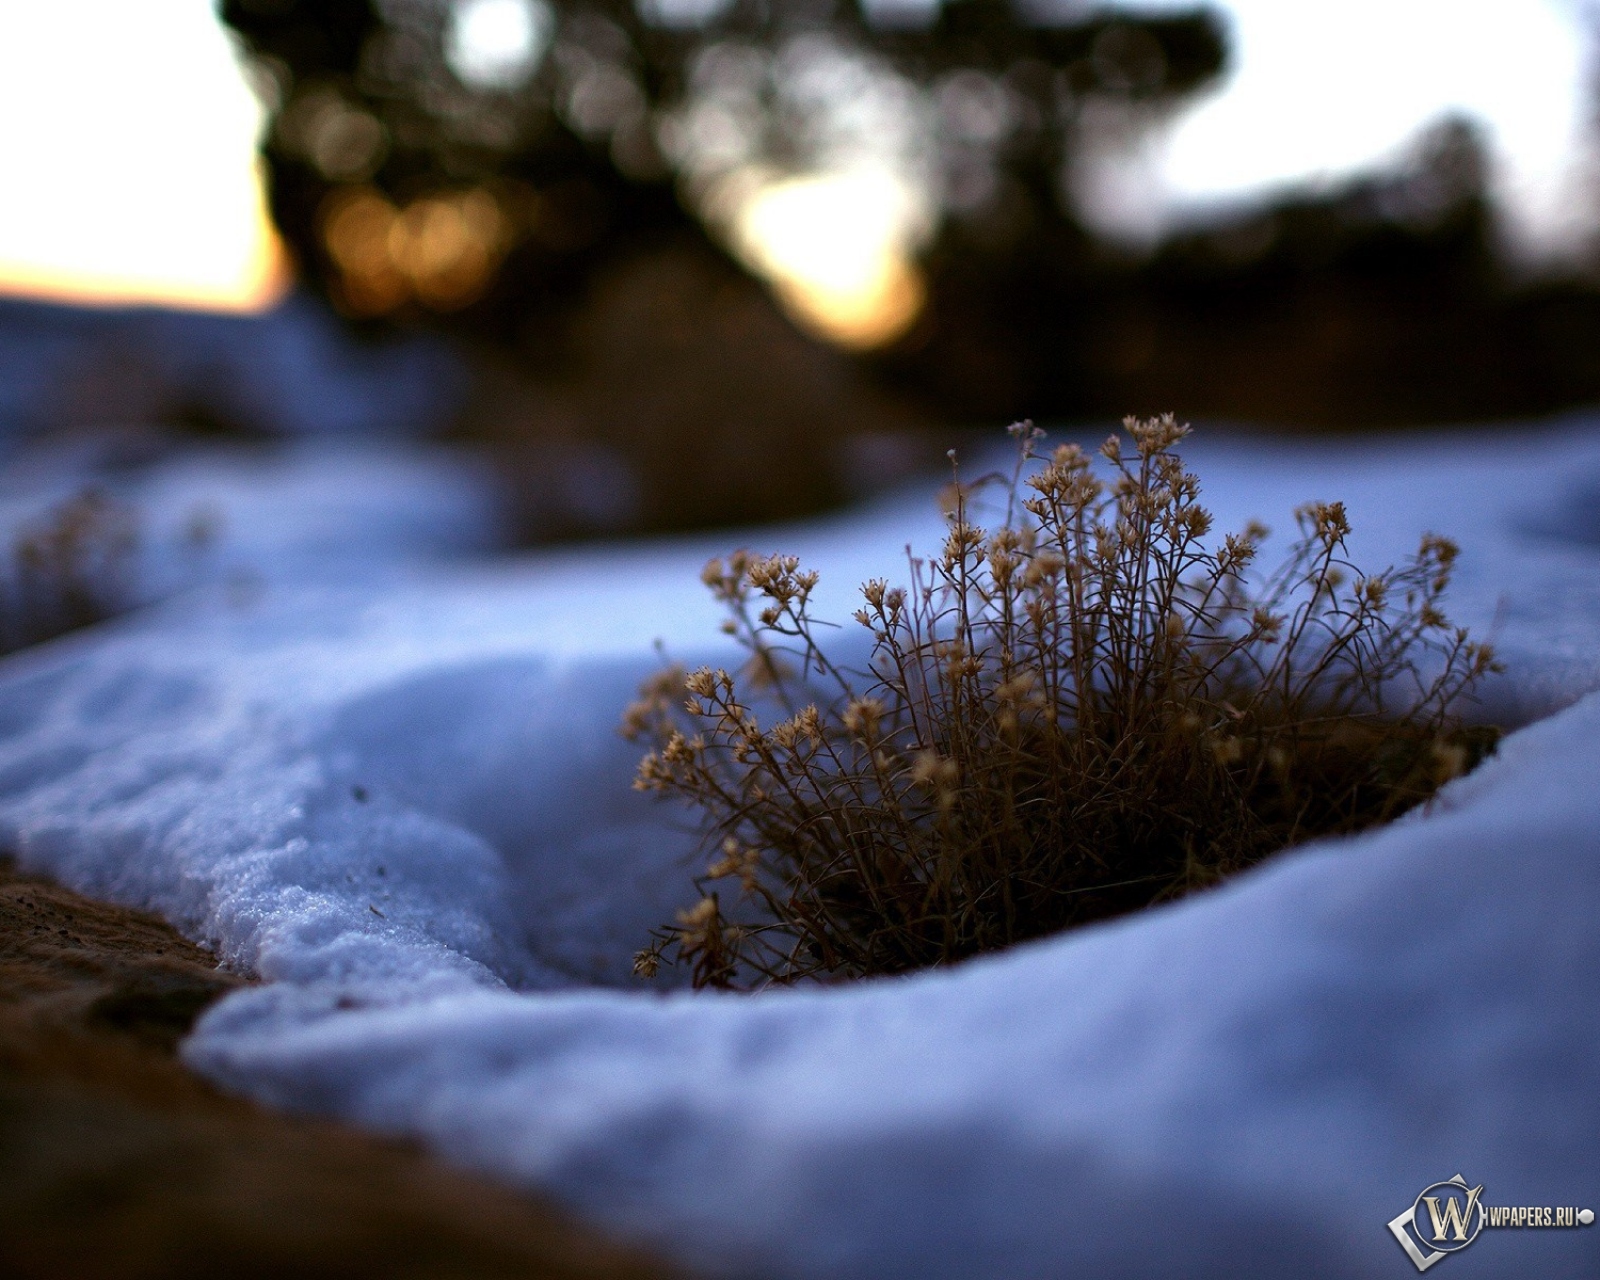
point(1454, 1218)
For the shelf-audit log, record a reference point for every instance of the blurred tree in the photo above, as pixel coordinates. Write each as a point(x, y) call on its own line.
point(1384, 300)
point(568, 183)
point(587, 189)
point(484, 158)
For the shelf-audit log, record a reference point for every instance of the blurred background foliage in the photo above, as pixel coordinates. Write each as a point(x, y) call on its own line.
point(588, 192)
point(714, 258)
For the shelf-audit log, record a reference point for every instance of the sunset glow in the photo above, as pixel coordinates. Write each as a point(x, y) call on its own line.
point(128, 137)
point(837, 249)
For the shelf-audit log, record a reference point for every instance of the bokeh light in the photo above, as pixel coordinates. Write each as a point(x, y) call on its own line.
point(128, 137)
point(837, 249)
point(441, 250)
point(814, 161)
point(497, 44)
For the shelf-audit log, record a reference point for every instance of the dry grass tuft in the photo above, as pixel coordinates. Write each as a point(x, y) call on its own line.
point(1089, 709)
point(70, 568)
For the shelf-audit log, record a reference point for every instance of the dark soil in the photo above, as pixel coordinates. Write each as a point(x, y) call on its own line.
point(116, 1162)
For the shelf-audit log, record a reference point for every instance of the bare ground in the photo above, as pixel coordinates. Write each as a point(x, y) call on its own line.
point(117, 1162)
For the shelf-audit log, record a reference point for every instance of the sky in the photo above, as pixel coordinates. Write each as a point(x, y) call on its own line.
point(127, 157)
point(1320, 88)
point(127, 133)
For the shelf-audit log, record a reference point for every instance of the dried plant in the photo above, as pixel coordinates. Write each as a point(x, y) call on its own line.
point(69, 568)
point(1092, 708)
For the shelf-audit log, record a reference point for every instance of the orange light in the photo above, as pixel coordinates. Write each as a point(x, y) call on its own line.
point(355, 231)
point(442, 250)
point(836, 250)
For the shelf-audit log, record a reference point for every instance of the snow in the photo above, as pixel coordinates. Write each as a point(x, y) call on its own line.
point(319, 510)
point(393, 789)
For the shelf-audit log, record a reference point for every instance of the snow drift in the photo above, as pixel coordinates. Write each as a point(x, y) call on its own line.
point(399, 797)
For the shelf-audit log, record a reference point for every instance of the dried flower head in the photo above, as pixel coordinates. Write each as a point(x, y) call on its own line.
point(1085, 709)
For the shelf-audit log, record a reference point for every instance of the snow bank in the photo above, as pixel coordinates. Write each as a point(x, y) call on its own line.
point(403, 802)
point(221, 513)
